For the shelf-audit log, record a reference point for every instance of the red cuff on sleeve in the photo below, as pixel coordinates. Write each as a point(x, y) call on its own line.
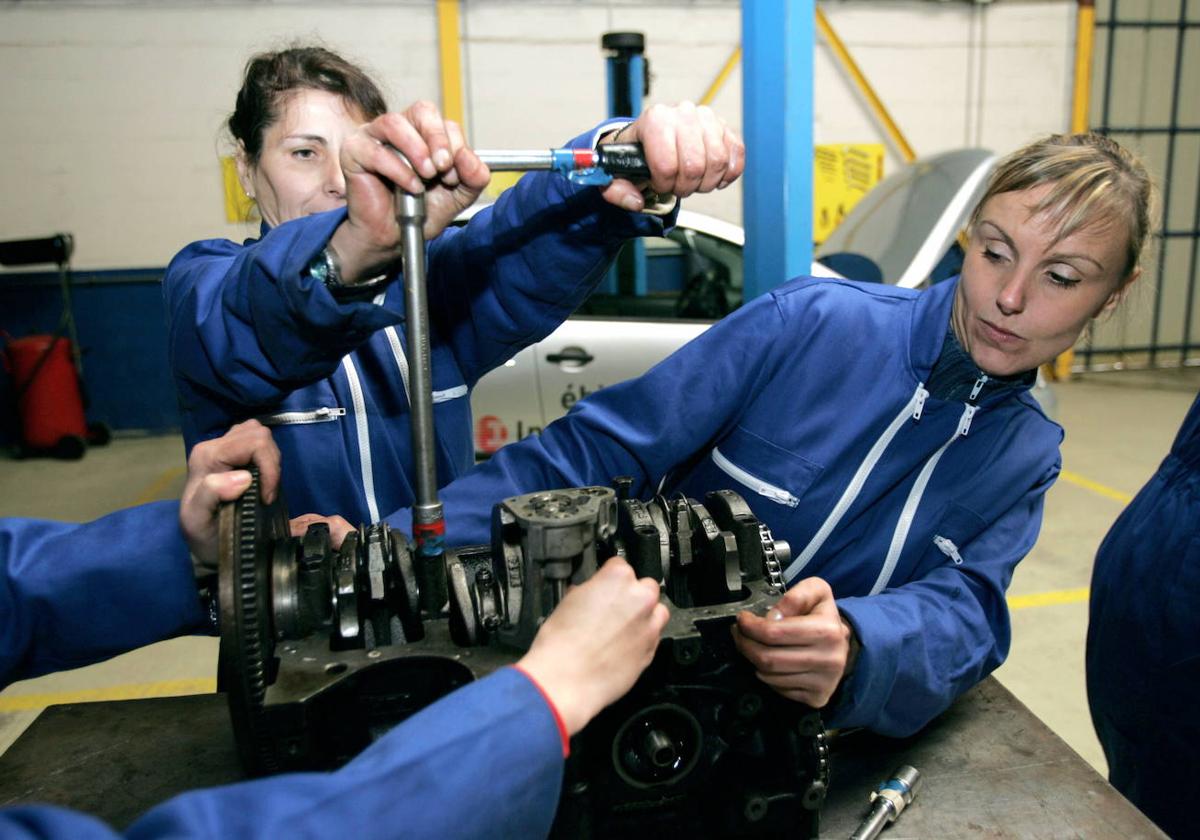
point(562, 727)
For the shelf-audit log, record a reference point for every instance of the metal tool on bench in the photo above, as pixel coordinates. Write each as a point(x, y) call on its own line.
point(888, 802)
point(324, 651)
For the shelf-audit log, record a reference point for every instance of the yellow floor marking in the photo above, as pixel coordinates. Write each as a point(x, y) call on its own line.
point(1095, 487)
point(155, 490)
point(1047, 599)
point(167, 688)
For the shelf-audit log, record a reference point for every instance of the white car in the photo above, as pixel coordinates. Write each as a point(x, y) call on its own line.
point(694, 276)
point(905, 230)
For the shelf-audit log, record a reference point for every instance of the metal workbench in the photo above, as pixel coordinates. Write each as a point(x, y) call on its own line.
point(990, 769)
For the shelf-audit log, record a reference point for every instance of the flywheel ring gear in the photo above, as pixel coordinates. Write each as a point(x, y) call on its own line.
point(248, 532)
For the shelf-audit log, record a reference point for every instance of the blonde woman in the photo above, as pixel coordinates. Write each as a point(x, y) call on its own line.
point(888, 435)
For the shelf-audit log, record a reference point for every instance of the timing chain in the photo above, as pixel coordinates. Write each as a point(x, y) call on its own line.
point(771, 568)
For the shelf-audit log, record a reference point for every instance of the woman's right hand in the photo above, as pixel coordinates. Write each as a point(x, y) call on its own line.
point(597, 642)
point(802, 648)
point(436, 161)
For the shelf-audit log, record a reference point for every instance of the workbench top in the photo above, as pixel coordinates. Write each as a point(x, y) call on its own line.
point(989, 768)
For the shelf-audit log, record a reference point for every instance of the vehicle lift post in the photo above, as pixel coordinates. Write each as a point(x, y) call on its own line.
point(777, 122)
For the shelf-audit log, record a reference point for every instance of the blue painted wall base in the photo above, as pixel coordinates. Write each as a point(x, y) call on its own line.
point(123, 334)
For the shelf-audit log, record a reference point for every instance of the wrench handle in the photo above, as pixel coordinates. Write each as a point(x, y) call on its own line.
point(624, 160)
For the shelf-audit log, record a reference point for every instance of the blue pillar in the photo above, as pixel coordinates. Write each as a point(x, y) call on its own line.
point(626, 71)
point(777, 119)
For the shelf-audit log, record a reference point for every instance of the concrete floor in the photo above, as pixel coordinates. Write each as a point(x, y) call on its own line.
point(1119, 426)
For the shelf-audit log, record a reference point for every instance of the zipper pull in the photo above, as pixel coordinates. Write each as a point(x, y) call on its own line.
point(979, 383)
point(964, 422)
point(949, 549)
point(922, 395)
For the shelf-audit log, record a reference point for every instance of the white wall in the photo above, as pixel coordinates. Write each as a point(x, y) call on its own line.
point(112, 110)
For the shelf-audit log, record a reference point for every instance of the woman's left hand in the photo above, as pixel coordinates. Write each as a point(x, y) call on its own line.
point(802, 646)
point(688, 149)
point(338, 527)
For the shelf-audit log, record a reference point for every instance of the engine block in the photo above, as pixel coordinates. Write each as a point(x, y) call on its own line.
point(323, 651)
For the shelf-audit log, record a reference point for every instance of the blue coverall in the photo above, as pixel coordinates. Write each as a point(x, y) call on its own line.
point(72, 594)
point(252, 334)
point(811, 401)
point(1143, 646)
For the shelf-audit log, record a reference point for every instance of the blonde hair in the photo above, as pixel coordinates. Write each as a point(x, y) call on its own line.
point(1096, 182)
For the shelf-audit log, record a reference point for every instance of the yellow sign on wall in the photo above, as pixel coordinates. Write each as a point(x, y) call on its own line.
point(500, 182)
point(238, 205)
point(842, 174)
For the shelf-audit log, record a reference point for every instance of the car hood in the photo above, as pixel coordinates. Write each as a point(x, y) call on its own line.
point(906, 223)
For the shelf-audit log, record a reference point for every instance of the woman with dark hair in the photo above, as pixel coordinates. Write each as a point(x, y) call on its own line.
point(298, 327)
point(887, 434)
